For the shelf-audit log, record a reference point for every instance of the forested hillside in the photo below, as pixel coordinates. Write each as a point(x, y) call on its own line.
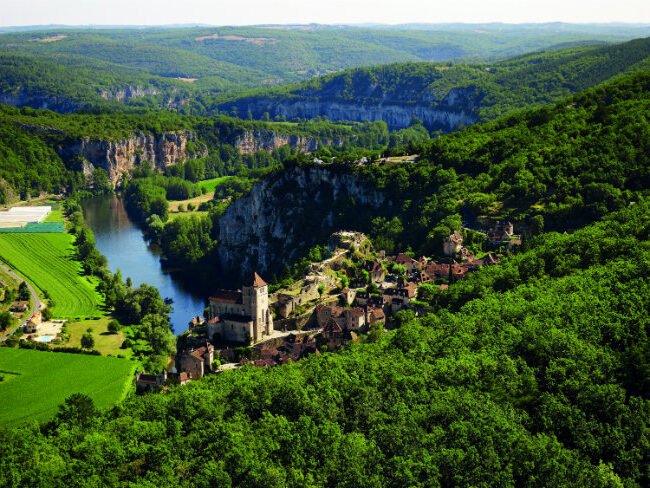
point(44, 151)
point(447, 96)
point(557, 168)
point(192, 69)
point(540, 381)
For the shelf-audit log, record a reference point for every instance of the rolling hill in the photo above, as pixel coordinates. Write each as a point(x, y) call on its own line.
point(190, 69)
point(446, 96)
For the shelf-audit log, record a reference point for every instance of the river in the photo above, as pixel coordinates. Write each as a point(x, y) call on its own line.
point(121, 241)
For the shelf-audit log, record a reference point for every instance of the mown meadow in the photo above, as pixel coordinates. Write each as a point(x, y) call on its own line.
point(36, 382)
point(45, 260)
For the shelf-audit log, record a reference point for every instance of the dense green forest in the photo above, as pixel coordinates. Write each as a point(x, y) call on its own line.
point(192, 69)
point(541, 379)
point(478, 92)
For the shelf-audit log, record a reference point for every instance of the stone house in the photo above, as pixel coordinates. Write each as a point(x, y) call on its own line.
point(197, 361)
point(376, 271)
point(376, 315)
point(407, 261)
point(452, 244)
point(398, 298)
point(501, 231)
point(145, 382)
point(348, 295)
point(243, 316)
point(32, 324)
point(347, 318)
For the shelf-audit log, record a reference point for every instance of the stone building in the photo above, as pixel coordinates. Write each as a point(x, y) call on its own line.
point(197, 361)
point(241, 316)
point(452, 244)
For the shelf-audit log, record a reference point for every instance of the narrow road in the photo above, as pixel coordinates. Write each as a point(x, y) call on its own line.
point(35, 300)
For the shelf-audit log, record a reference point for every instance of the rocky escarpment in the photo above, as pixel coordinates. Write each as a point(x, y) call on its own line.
point(457, 108)
point(285, 215)
point(117, 157)
point(23, 98)
point(42, 99)
point(266, 140)
point(123, 94)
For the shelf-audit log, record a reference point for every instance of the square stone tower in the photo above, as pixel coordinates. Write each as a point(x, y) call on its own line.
point(255, 298)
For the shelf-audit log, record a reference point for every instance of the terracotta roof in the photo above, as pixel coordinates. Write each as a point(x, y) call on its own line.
point(404, 259)
point(356, 312)
point(227, 296)
point(256, 281)
point(377, 313)
point(332, 327)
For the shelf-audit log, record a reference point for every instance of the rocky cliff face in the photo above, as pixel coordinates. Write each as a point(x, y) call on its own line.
point(285, 215)
point(124, 94)
point(22, 98)
point(456, 109)
point(39, 99)
point(117, 157)
point(266, 140)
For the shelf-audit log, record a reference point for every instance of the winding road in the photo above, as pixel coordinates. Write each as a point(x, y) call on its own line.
point(35, 300)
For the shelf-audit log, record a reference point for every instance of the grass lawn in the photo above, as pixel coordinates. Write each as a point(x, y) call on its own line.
point(211, 185)
point(46, 261)
point(105, 342)
point(173, 205)
point(54, 216)
point(37, 382)
point(186, 215)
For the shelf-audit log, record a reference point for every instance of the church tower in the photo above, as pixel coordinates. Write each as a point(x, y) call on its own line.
point(256, 301)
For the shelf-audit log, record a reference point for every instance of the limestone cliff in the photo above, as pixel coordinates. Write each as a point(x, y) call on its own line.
point(117, 157)
point(457, 108)
point(288, 213)
point(266, 140)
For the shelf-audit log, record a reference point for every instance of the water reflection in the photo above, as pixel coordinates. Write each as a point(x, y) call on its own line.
point(118, 239)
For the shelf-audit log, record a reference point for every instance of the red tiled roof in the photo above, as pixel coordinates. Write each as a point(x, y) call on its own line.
point(404, 259)
point(377, 313)
point(227, 296)
point(256, 281)
point(332, 327)
point(356, 312)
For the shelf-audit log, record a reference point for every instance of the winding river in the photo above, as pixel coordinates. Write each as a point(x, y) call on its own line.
point(121, 241)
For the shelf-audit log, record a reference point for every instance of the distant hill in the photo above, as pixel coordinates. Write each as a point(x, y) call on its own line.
point(442, 95)
point(191, 68)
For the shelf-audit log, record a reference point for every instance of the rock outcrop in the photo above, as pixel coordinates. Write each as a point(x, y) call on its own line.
point(456, 109)
point(288, 213)
point(117, 157)
point(266, 140)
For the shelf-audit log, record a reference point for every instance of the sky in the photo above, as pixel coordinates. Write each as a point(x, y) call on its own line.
point(251, 12)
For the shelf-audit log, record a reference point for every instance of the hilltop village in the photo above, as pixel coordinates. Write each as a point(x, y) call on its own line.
point(354, 294)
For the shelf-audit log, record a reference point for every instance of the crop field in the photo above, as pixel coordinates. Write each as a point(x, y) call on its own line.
point(37, 382)
point(46, 261)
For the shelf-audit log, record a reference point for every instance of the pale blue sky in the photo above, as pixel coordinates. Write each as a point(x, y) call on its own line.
point(247, 12)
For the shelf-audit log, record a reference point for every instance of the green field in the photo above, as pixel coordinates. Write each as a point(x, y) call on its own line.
point(36, 382)
point(46, 261)
point(210, 185)
point(106, 342)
